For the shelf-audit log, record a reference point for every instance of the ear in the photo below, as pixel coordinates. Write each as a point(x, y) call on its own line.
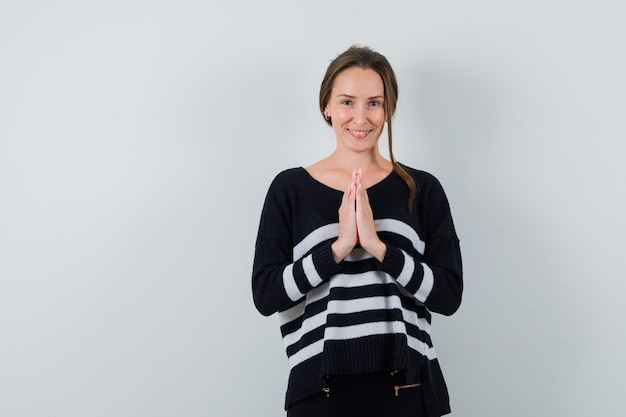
point(326, 113)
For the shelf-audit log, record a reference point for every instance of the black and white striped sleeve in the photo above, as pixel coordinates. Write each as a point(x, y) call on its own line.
point(435, 282)
point(432, 269)
point(283, 274)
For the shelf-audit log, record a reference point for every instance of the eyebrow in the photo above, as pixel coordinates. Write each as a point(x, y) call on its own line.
point(349, 96)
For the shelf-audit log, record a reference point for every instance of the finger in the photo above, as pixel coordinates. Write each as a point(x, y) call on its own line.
point(346, 194)
point(358, 199)
point(364, 210)
point(366, 198)
point(352, 196)
point(361, 197)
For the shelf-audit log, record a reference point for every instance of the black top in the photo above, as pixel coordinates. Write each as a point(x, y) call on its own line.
point(360, 315)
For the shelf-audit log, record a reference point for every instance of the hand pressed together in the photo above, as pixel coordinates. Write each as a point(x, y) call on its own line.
point(356, 223)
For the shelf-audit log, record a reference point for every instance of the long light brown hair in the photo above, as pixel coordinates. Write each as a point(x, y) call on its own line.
point(366, 58)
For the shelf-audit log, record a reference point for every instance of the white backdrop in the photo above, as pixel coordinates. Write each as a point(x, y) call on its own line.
point(138, 139)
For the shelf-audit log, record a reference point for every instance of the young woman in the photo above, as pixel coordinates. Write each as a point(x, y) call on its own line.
point(354, 253)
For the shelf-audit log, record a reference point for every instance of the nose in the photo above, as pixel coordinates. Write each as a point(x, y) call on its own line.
point(360, 115)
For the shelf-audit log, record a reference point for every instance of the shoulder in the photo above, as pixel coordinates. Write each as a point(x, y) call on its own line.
point(430, 191)
point(288, 184)
point(432, 202)
point(288, 178)
point(424, 180)
point(280, 193)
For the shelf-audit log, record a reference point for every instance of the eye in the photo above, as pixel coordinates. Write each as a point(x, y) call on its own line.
point(375, 103)
point(346, 102)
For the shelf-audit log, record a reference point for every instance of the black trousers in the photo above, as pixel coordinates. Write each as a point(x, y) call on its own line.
point(369, 395)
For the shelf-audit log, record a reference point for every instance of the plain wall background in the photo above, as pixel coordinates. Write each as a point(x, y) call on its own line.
point(138, 139)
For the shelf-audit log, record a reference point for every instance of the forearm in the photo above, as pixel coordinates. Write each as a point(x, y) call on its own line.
point(436, 282)
point(278, 283)
point(377, 248)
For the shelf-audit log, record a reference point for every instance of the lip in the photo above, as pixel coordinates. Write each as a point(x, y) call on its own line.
point(359, 134)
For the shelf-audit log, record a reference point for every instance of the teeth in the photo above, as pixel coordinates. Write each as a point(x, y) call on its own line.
point(360, 132)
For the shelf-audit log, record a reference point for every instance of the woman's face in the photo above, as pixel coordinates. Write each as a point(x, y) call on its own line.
point(356, 108)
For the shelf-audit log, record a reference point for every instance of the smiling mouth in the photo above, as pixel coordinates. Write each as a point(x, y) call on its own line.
point(359, 133)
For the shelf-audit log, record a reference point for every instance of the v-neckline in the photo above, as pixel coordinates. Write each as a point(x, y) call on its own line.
point(308, 174)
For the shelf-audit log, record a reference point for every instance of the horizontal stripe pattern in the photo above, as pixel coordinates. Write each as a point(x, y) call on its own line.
point(329, 231)
point(355, 306)
point(299, 278)
point(332, 333)
point(331, 319)
point(289, 281)
point(400, 228)
point(427, 284)
point(358, 303)
point(310, 272)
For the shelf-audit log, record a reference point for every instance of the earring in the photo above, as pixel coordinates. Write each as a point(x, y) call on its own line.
point(327, 117)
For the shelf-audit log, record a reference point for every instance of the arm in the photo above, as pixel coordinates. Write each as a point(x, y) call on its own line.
point(279, 280)
point(278, 283)
point(434, 278)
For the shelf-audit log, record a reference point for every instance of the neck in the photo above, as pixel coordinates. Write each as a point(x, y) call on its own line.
point(365, 161)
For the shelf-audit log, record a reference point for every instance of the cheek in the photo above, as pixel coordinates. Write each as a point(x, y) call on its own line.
point(340, 116)
point(379, 117)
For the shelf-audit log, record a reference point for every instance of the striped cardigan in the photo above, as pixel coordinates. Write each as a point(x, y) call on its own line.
point(361, 315)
